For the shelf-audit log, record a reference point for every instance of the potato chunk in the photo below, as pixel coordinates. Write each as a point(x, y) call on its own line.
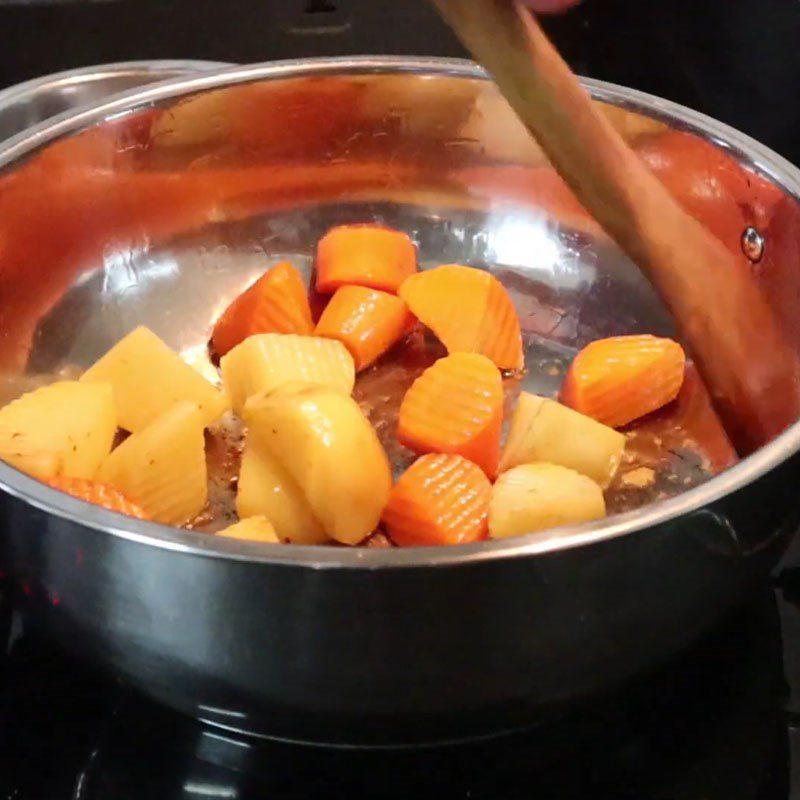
point(543, 430)
point(66, 428)
point(163, 466)
point(148, 378)
point(252, 529)
point(535, 497)
point(266, 361)
point(327, 445)
point(267, 489)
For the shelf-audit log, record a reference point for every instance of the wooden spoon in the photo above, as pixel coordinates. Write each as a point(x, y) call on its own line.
point(750, 369)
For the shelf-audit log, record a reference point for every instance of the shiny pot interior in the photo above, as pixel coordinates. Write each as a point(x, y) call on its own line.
point(30, 103)
point(158, 208)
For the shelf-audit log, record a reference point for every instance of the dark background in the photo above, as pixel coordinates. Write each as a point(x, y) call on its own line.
point(738, 60)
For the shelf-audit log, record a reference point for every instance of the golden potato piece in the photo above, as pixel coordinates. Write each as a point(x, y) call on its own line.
point(163, 466)
point(267, 489)
point(148, 378)
point(266, 361)
point(66, 428)
point(327, 445)
point(252, 529)
point(544, 430)
point(535, 497)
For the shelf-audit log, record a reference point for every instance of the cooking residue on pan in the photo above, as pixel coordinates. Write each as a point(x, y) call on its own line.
point(667, 452)
point(402, 407)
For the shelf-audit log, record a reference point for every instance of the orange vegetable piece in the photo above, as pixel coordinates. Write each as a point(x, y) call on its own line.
point(469, 310)
point(620, 379)
point(366, 321)
point(101, 494)
point(276, 303)
point(364, 255)
point(455, 406)
point(439, 500)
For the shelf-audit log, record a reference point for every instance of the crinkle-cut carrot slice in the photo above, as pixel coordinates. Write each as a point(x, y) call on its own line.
point(366, 321)
point(469, 310)
point(439, 500)
point(276, 303)
point(364, 255)
point(455, 406)
point(620, 379)
point(101, 494)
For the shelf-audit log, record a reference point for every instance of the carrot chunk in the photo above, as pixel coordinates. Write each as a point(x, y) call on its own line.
point(620, 379)
point(364, 255)
point(439, 500)
point(455, 406)
point(101, 494)
point(276, 303)
point(366, 321)
point(469, 310)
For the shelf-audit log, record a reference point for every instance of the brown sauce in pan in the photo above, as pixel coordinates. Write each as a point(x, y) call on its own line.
point(667, 452)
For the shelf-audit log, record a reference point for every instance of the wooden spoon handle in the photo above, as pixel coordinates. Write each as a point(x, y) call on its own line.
point(750, 369)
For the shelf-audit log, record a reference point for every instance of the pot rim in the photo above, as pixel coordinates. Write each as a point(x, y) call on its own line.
point(39, 495)
point(99, 72)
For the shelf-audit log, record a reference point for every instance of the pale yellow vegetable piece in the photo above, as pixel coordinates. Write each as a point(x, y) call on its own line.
point(544, 430)
point(639, 478)
point(163, 466)
point(266, 361)
point(37, 463)
point(266, 489)
point(328, 446)
point(15, 384)
point(535, 497)
point(66, 428)
point(252, 529)
point(148, 377)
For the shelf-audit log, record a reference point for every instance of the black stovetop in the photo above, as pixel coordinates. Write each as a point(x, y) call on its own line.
point(718, 723)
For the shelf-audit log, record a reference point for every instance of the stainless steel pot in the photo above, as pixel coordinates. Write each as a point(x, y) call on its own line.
point(27, 104)
point(159, 205)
